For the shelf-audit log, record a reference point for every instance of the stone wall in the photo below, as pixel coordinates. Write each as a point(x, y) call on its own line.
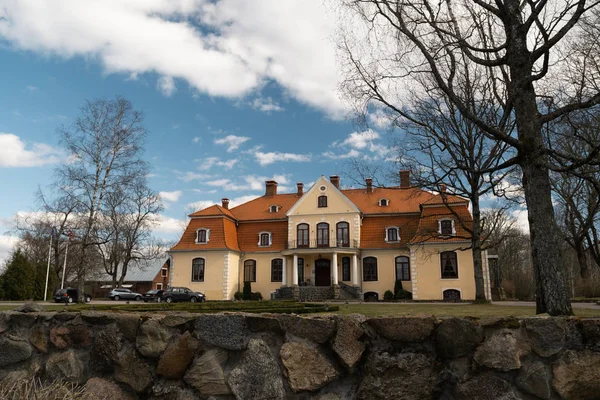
point(316, 293)
point(245, 356)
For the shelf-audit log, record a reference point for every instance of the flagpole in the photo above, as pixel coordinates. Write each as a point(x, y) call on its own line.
point(48, 268)
point(62, 284)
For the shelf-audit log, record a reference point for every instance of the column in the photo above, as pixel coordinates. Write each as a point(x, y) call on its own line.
point(354, 270)
point(335, 269)
point(295, 271)
point(284, 273)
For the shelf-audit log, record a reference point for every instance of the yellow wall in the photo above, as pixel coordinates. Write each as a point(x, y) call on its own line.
point(263, 282)
point(430, 285)
point(386, 271)
point(215, 261)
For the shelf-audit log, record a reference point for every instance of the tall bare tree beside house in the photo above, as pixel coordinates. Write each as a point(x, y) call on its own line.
point(105, 147)
point(541, 60)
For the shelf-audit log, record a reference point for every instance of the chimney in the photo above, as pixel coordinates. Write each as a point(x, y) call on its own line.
point(300, 186)
point(225, 203)
point(442, 188)
point(335, 180)
point(405, 179)
point(270, 188)
point(369, 182)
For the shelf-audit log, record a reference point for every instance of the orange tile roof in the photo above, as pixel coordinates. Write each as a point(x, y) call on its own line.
point(259, 208)
point(427, 230)
point(372, 232)
point(223, 235)
point(214, 210)
point(445, 199)
point(402, 200)
point(248, 235)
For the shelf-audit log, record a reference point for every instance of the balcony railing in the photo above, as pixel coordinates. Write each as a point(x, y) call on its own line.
point(320, 244)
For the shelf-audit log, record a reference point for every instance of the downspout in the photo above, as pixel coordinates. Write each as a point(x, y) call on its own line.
point(240, 271)
point(171, 269)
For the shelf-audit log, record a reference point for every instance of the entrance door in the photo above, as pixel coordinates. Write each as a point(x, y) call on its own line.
point(322, 272)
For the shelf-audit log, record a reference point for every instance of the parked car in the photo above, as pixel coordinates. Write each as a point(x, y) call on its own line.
point(124, 294)
point(153, 295)
point(175, 294)
point(70, 295)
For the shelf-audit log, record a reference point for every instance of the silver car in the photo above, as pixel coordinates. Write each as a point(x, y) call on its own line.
point(124, 294)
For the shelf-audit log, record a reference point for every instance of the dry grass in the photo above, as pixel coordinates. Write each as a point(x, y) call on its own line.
point(454, 310)
point(34, 389)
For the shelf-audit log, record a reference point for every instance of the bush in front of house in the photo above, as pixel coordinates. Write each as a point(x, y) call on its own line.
point(238, 296)
point(256, 296)
point(400, 293)
point(388, 295)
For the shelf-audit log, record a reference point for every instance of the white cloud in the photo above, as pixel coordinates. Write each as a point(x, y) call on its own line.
point(233, 141)
point(241, 200)
point(169, 225)
point(191, 176)
point(521, 216)
point(210, 162)
point(272, 157)
point(353, 153)
point(166, 85)
point(359, 140)
point(200, 205)
point(251, 183)
point(360, 144)
point(31, 88)
point(196, 139)
point(266, 105)
point(7, 244)
point(222, 48)
point(171, 196)
point(15, 153)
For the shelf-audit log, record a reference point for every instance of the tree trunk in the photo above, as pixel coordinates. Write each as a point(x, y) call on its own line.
point(584, 271)
point(552, 293)
point(476, 249)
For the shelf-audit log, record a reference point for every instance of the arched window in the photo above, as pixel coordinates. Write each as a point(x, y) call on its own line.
point(202, 235)
point(198, 270)
point(345, 268)
point(449, 265)
point(369, 269)
point(383, 202)
point(322, 201)
point(392, 234)
point(343, 234)
point(402, 269)
point(265, 239)
point(277, 270)
point(250, 271)
point(323, 234)
point(446, 227)
point(273, 209)
point(302, 235)
point(451, 295)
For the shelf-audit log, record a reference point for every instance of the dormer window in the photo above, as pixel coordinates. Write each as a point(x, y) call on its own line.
point(392, 234)
point(202, 235)
point(273, 209)
point(384, 202)
point(265, 239)
point(446, 227)
point(322, 201)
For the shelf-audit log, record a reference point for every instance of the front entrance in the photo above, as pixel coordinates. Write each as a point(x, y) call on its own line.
point(322, 272)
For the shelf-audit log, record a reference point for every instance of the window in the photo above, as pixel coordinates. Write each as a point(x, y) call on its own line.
point(249, 271)
point(449, 265)
point(323, 234)
point(383, 202)
point(198, 270)
point(301, 270)
point(202, 235)
point(277, 270)
point(159, 286)
point(392, 234)
point(273, 209)
point(402, 269)
point(343, 234)
point(345, 268)
point(446, 227)
point(163, 273)
point(302, 235)
point(322, 201)
point(369, 269)
point(264, 239)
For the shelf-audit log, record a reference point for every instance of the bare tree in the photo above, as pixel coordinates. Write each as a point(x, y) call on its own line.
point(540, 58)
point(105, 146)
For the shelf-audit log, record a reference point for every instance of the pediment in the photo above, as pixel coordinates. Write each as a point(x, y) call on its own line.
point(337, 202)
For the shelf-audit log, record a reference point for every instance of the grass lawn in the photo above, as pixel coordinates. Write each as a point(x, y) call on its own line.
point(455, 310)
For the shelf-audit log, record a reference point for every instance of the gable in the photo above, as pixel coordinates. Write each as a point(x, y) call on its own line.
point(336, 201)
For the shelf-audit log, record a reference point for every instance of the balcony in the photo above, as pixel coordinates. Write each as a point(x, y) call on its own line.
point(319, 244)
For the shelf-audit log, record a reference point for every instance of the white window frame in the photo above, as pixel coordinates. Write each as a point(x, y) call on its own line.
point(270, 239)
point(276, 207)
point(157, 286)
point(440, 226)
point(164, 273)
point(387, 202)
point(207, 235)
point(397, 228)
point(457, 268)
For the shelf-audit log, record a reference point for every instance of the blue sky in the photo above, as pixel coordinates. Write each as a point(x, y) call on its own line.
point(232, 93)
